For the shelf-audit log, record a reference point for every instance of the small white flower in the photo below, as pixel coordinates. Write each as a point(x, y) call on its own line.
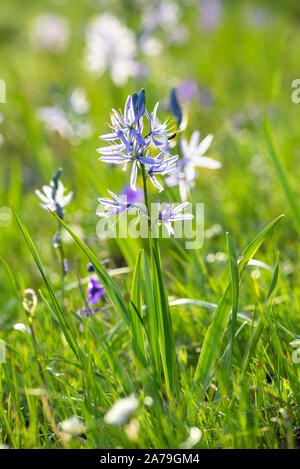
point(50, 32)
point(122, 410)
point(132, 429)
point(193, 438)
point(79, 102)
point(19, 326)
point(193, 156)
point(151, 46)
point(72, 427)
point(52, 201)
point(110, 45)
point(55, 120)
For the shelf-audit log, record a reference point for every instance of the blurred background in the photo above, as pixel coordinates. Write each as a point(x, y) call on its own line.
point(66, 64)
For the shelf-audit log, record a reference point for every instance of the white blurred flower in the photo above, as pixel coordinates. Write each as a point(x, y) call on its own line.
point(192, 157)
point(50, 32)
point(55, 119)
point(19, 326)
point(151, 46)
point(110, 45)
point(193, 438)
point(72, 427)
point(70, 126)
point(52, 201)
point(165, 13)
point(148, 401)
point(132, 429)
point(79, 102)
point(122, 410)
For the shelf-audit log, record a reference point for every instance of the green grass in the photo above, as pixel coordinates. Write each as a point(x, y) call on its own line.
point(205, 333)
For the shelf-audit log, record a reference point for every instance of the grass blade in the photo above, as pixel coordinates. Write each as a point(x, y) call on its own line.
point(109, 284)
point(234, 276)
point(262, 320)
point(56, 309)
point(291, 199)
point(211, 349)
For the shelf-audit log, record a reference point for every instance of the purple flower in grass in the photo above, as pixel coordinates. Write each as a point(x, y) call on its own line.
point(95, 291)
point(85, 312)
point(172, 213)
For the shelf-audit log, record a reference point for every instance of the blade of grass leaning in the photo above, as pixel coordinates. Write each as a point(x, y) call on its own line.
point(262, 320)
point(234, 276)
point(56, 309)
point(117, 367)
point(109, 284)
point(210, 352)
point(290, 196)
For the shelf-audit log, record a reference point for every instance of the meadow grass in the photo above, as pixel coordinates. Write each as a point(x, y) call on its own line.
point(201, 337)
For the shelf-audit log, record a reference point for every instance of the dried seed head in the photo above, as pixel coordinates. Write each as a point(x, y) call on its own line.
point(29, 301)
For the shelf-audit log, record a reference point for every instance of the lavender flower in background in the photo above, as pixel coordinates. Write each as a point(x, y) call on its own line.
point(50, 32)
point(66, 266)
point(257, 17)
point(161, 16)
point(95, 291)
point(162, 13)
point(210, 14)
point(85, 312)
point(133, 197)
point(188, 90)
point(110, 46)
point(192, 157)
point(53, 197)
point(172, 213)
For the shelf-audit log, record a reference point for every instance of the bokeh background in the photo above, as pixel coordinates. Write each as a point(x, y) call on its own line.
point(231, 61)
